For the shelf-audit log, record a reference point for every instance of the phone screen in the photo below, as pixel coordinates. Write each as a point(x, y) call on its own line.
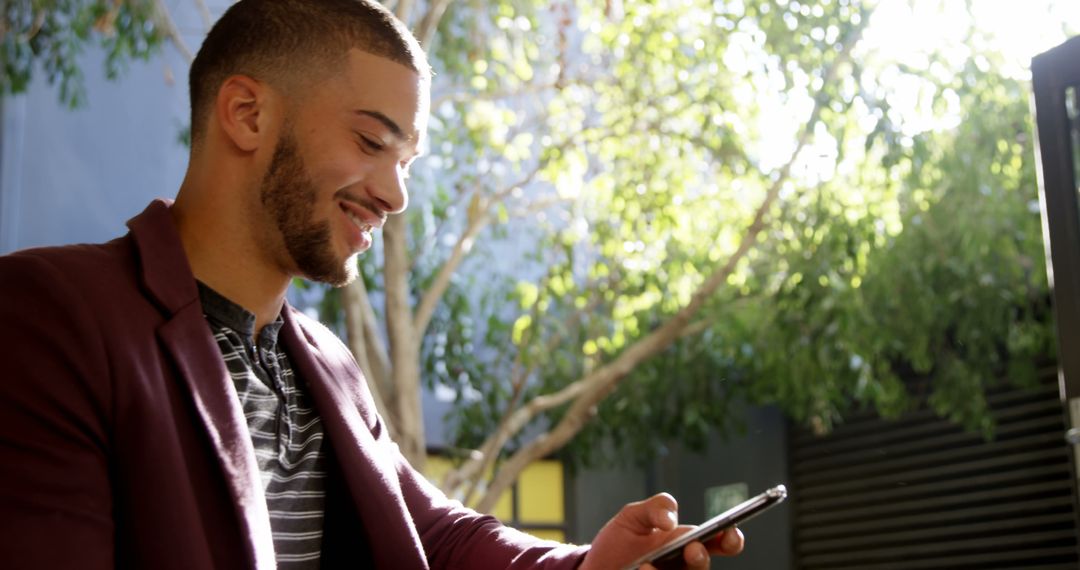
point(672, 551)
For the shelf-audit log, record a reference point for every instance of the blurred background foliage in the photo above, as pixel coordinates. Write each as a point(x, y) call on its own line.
point(48, 37)
point(629, 145)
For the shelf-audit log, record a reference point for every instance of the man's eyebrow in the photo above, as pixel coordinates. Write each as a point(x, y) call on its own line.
point(387, 122)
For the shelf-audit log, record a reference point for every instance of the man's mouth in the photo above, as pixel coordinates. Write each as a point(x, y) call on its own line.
point(361, 224)
point(361, 215)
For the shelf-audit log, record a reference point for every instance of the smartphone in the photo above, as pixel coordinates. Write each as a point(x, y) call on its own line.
point(670, 554)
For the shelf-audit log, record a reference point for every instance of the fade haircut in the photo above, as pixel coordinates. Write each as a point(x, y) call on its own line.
point(283, 42)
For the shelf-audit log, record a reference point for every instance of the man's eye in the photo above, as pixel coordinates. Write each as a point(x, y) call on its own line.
point(372, 144)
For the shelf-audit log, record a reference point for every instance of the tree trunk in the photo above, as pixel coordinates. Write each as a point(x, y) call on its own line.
point(365, 345)
point(404, 342)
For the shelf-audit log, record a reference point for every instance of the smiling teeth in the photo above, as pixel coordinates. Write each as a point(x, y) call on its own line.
point(366, 228)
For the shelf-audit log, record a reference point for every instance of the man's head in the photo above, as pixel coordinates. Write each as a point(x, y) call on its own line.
point(315, 109)
point(292, 43)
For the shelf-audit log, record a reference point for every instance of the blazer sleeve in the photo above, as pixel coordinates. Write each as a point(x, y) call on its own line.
point(55, 498)
point(458, 537)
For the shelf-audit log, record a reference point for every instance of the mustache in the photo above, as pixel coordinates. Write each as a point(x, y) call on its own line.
point(365, 203)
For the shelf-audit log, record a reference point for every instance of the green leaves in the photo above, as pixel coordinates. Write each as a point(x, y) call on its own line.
point(904, 246)
point(50, 35)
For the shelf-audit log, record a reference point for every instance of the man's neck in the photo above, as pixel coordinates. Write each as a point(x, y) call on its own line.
point(219, 258)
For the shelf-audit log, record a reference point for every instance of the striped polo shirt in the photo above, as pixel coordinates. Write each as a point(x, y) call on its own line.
point(285, 429)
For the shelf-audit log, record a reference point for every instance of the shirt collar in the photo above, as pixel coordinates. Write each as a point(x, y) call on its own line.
point(222, 311)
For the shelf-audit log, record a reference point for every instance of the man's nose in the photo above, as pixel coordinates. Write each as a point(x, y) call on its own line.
point(389, 190)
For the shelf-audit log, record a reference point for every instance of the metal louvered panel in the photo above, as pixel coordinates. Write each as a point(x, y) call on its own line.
point(920, 492)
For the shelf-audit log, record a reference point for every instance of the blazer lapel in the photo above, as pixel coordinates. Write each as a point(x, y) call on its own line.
point(369, 468)
point(185, 335)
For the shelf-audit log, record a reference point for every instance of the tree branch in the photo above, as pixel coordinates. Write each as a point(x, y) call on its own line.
point(478, 217)
point(537, 206)
point(422, 250)
point(374, 345)
point(35, 28)
point(425, 31)
point(702, 325)
point(403, 10)
point(404, 341)
point(514, 419)
point(204, 13)
point(165, 22)
point(596, 386)
point(367, 347)
point(470, 95)
point(430, 299)
point(697, 327)
point(519, 376)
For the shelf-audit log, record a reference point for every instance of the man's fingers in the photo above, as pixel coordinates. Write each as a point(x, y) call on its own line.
point(733, 541)
point(659, 511)
point(728, 543)
point(696, 556)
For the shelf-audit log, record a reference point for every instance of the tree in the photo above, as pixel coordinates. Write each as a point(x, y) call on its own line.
point(686, 258)
point(675, 276)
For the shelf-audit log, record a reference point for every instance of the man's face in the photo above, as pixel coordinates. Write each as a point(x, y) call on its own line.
point(340, 164)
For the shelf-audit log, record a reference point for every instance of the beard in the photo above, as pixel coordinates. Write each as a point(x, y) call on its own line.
point(289, 197)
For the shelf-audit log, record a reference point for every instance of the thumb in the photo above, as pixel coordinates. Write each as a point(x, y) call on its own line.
point(657, 512)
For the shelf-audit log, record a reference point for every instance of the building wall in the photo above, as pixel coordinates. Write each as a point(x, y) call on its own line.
point(595, 495)
point(71, 176)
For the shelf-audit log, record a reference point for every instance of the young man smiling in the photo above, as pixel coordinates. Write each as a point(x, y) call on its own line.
point(165, 407)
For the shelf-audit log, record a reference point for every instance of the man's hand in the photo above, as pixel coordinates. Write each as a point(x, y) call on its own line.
point(646, 525)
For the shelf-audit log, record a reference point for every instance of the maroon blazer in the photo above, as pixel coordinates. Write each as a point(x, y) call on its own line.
point(123, 443)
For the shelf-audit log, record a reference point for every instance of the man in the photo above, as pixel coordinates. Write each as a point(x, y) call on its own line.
point(164, 407)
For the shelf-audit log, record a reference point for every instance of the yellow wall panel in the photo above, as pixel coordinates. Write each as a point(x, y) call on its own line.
point(556, 535)
point(436, 468)
point(504, 508)
point(540, 493)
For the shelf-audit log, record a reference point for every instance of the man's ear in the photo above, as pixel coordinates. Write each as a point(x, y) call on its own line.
point(243, 111)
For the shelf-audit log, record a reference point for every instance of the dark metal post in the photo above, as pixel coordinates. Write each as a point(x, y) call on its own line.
point(1056, 83)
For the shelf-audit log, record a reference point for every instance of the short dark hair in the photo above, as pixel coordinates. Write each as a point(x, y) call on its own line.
point(278, 40)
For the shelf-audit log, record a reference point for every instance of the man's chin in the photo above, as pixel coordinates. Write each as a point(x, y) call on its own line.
point(338, 276)
point(347, 273)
